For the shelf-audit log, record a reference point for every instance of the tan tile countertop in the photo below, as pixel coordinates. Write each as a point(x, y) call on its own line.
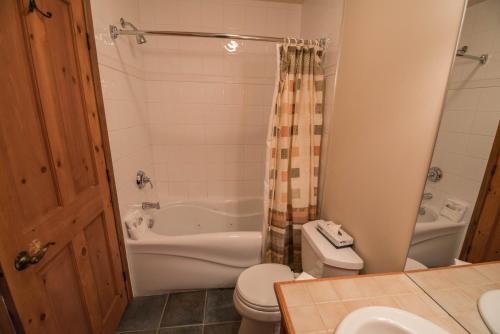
point(446, 296)
point(457, 290)
point(318, 306)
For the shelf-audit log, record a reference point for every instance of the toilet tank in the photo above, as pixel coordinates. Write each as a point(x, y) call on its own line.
point(322, 259)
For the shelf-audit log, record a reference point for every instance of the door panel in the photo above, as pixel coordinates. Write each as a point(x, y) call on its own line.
point(100, 259)
point(57, 35)
point(61, 285)
point(60, 89)
point(32, 181)
point(54, 175)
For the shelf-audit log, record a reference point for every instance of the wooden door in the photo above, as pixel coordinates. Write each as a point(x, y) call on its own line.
point(482, 242)
point(53, 183)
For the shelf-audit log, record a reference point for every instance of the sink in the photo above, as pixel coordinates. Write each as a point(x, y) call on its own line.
point(488, 306)
point(387, 320)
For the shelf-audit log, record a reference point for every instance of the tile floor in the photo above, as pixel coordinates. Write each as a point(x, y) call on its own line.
point(194, 312)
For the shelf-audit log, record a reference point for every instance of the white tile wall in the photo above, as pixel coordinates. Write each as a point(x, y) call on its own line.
point(120, 67)
point(198, 114)
point(472, 110)
point(208, 109)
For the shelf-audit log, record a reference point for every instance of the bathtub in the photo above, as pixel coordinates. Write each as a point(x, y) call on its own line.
point(436, 240)
point(196, 245)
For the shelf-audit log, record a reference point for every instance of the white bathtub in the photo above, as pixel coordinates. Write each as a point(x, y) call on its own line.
point(436, 240)
point(196, 245)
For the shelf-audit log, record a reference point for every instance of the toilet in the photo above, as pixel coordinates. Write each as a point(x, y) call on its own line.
point(412, 264)
point(254, 296)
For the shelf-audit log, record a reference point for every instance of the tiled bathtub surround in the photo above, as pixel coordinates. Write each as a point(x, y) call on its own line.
point(120, 67)
point(198, 113)
point(208, 108)
point(471, 112)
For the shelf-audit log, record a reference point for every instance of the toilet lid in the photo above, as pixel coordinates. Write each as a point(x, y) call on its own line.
point(255, 285)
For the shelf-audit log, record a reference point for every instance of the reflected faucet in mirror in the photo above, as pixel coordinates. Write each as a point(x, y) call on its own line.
point(422, 210)
point(150, 205)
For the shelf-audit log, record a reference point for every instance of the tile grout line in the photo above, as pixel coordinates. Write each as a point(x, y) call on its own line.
point(162, 313)
point(204, 311)
point(201, 324)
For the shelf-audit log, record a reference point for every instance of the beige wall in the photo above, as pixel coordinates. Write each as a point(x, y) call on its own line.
point(394, 64)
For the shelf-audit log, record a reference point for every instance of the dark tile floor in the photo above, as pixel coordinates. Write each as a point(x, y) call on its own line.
point(193, 312)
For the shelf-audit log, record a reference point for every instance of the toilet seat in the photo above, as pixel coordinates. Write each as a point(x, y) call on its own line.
point(254, 295)
point(272, 308)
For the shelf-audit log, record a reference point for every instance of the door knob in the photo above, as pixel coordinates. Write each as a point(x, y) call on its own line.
point(35, 253)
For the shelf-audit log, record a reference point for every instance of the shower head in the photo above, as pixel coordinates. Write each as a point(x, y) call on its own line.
point(140, 38)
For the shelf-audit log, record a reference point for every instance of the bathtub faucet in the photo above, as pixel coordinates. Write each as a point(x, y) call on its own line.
point(427, 196)
point(150, 205)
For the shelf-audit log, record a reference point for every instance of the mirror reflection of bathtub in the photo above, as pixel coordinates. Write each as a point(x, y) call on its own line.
point(436, 240)
point(196, 245)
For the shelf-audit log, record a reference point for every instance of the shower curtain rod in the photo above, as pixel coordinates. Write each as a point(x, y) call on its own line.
point(115, 32)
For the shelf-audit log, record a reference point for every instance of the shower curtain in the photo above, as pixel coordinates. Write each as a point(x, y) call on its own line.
point(293, 151)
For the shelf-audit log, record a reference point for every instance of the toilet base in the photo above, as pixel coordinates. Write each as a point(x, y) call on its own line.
point(249, 326)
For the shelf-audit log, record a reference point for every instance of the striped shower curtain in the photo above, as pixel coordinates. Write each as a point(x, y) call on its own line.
point(293, 151)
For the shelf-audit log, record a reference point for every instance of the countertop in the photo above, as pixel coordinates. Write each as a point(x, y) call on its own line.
point(457, 290)
point(445, 296)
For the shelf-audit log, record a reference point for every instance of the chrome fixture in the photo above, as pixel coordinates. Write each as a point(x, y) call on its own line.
point(150, 205)
point(115, 32)
point(435, 174)
point(427, 196)
point(422, 210)
point(141, 180)
point(462, 52)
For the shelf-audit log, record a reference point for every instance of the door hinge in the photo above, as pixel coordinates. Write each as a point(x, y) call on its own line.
point(88, 40)
point(108, 177)
point(124, 276)
point(494, 169)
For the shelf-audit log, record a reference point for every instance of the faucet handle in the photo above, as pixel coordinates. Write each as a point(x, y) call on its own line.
point(142, 179)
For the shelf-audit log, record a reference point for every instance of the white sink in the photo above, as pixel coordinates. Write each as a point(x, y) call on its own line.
point(387, 320)
point(488, 306)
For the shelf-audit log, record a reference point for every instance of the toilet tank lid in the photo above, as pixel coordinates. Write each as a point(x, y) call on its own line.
point(344, 258)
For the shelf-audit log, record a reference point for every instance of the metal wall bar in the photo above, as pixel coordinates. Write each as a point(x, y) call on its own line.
point(462, 52)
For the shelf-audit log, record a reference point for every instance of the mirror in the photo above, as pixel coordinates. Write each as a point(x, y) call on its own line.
point(456, 203)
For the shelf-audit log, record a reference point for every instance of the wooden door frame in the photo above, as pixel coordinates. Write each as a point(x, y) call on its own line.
point(9, 319)
point(105, 143)
point(481, 198)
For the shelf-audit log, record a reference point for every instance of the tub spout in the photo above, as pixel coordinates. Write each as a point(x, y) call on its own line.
point(150, 205)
